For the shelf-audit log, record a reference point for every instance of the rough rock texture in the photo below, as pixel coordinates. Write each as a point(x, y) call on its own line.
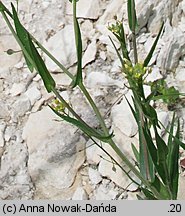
point(52, 148)
point(43, 158)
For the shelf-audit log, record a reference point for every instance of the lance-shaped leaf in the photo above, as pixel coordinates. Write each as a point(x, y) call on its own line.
point(123, 43)
point(150, 54)
point(85, 128)
point(23, 37)
point(173, 157)
point(117, 52)
point(39, 64)
point(78, 41)
point(161, 188)
point(162, 153)
point(49, 82)
point(132, 19)
point(148, 194)
point(3, 8)
point(136, 153)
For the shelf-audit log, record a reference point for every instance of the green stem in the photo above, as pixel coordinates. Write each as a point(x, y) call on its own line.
point(134, 170)
point(134, 34)
point(96, 110)
point(64, 69)
point(127, 173)
point(68, 107)
point(134, 47)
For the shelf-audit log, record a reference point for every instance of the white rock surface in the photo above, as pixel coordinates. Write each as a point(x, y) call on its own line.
point(106, 191)
point(86, 9)
point(80, 194)
point(89, 54)
point(106, 167)
point(62, 47)
point(21, 106)
point(33, 94)
point(101, 79)
point(181, 193)
point(93, 153)
point(154, 75)
point(173, 49)
point(144, 10)
point(4, 114)
point(2, 129)
point(179, 79)
point(162, 11)
point(53, 161)
point(14, 177)
point(112, 9)
point(17, 89)
point(123, 119)
point(94, 176)
point(8, 42)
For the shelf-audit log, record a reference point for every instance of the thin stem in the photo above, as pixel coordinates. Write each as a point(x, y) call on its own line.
point(96, 110)
point(134, 34)
point(134, 47)
point(134, 170)
point(65, 70)
point(127, 173)
point(68, 107)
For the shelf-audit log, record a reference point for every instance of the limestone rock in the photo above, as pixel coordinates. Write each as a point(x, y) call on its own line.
point(123, 119)
point(106, 191)
point(80, 194)
point(4, 114)
point(17, 89)
point(53, 158)
point(2, 129)
point(62, 47)
point(113, 172)
point(154, 75)
point(162, 11)
point(93, 153)
point(144, 10)
point(112, 9)
point(172, 50)
point(14, 177)
point(8, 42)
point(179, 80)
point(101, 79)
point(181, 192)
point(85, 9)
point(94, 176)
point(21, 106)
point(89, 54)
point(33, 94)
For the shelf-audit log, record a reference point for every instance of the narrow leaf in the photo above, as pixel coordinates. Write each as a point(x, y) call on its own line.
point(173, 158)
point(23, 37)
point(150, 54)
point(136, 153)
point(148, 194)
point(161, 188)
point(86, 129)
point(117, 52)
point(132, 19)
point(39, 64)
point(49, 82)
point(78, 40)
point(123, 43)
